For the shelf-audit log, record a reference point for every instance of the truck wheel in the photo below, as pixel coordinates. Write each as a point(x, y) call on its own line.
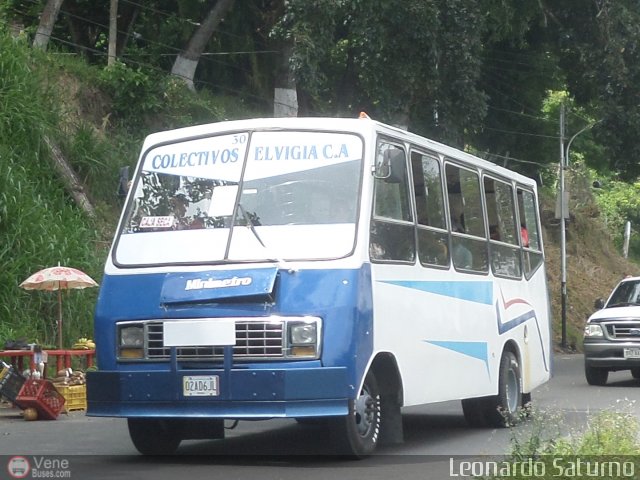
point(595, 375)
point(153, 436)
point(357, 433)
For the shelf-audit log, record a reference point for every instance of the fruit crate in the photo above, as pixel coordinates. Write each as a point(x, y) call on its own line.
point(41, 395)
point(75, 396)
point(10, 383)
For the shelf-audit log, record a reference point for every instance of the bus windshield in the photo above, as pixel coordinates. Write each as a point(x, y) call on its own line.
point(244, 197)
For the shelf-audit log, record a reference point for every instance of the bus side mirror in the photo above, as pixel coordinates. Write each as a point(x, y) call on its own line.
point(392, 166)
point(382, 170)
point(599, 304)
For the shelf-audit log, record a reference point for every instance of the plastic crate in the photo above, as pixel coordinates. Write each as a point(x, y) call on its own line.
point(75, 396)
point(41, 395)
point(10, 383)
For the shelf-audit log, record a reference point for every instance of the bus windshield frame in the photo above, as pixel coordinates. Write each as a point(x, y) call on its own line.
point(252, 196)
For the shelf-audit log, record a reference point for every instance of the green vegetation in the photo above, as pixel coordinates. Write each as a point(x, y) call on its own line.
point(489, 76)
point(39, 226)
point(619, 202)
point(607, 448)
point(98, 118)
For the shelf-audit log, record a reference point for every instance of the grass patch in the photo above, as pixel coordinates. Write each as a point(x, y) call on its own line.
point(607, 448)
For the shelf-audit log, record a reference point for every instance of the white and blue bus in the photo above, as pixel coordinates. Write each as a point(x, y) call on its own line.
point(327, 270)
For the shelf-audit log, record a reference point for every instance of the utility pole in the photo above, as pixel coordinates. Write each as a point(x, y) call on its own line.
point(564, 161)
point(563, 235)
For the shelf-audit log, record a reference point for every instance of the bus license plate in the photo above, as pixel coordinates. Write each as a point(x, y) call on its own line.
point(200, 386)
point(632, 353)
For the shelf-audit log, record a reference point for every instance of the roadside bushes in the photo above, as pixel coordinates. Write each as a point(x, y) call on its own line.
point(39, 224)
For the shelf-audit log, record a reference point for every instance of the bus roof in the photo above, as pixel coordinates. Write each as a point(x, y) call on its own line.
point(363, 125)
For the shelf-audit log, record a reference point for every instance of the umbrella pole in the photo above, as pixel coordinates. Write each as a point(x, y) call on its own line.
point(59, 318)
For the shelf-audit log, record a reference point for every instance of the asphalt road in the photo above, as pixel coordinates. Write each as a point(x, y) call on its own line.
point(282, 449)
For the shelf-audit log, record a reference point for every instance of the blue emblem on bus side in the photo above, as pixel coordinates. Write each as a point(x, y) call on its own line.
point(214, 285)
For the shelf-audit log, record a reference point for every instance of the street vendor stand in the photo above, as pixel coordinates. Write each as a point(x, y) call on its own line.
point(63, 358)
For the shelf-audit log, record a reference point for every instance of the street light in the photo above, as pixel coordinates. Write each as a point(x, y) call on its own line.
point(564, 161)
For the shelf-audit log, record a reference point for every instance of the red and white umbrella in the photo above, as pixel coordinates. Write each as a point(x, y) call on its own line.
point(58, 278)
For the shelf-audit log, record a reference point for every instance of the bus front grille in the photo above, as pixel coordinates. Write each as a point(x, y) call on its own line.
point(255, 340)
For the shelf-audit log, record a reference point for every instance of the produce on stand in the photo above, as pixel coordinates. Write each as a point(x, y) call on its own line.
point(72, 386)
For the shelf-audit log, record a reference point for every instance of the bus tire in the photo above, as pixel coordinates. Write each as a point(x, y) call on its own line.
point(635, 373)
point(153, 436)
point(504, 409)
point(356, 435)
point(596, 376)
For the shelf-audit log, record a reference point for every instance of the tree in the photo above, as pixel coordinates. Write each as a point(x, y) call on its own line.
point(185, 65)
point(47, 21)
point(113, 31)
point(413, 65)
point(598, 44)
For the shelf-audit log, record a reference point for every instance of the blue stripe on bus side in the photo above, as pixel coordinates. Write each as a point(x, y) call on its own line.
point(514, 322)
point(477, 350)
point(474, 291)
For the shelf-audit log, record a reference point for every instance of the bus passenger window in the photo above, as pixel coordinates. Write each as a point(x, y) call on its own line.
point(433, 238)
point(531, 244)
point(468, 235)
point(503, 236)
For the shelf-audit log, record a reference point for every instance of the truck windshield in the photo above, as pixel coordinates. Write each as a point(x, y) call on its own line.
point(627, 293)
point(244, 197)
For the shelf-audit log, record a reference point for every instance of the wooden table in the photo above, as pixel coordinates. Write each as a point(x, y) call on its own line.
point(63, 358)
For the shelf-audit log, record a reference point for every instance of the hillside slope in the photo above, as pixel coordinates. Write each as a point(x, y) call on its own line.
point(594, 266)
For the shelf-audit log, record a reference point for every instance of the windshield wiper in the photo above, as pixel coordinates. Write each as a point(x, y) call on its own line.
point(252, 226)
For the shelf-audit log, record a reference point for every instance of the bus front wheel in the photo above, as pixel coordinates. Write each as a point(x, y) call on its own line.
point(153, 436)
point(357, 434)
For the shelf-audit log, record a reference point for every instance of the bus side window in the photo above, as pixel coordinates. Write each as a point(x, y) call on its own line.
point(468, 235)
point(503, 237)
point(433, 238)
point(392, 232)
point(529, 234)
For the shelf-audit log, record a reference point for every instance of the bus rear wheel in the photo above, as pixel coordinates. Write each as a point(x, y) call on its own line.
point(357, 434)
point(504, 409)
point(153, 436)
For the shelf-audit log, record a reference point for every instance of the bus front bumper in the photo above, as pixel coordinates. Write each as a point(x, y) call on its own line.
point(246, 393)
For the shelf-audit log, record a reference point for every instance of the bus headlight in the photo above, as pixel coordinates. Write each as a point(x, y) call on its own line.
point(303, 339)
point(131, 341)
point(593, 330)
point(302, 333)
